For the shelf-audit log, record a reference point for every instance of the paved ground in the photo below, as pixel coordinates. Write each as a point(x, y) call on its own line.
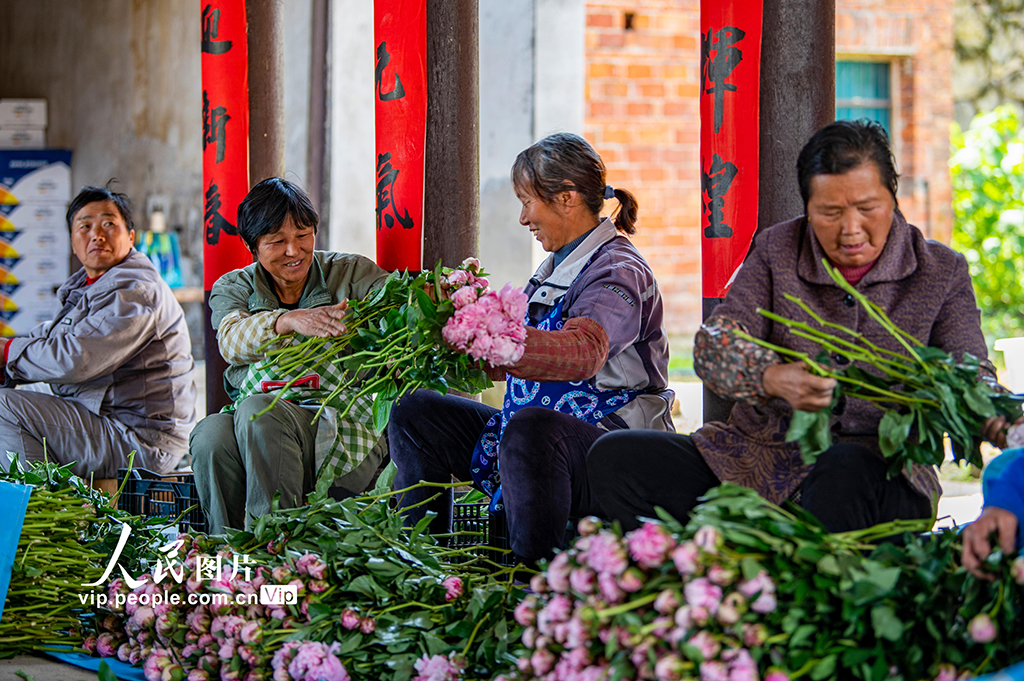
point(42, 669)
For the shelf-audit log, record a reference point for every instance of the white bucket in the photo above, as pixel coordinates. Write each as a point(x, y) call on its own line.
point(1013, 354)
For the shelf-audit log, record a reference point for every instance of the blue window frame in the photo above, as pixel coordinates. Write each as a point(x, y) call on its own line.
point(863, 91)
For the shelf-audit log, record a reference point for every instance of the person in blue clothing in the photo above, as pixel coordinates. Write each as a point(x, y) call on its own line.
point(1003, 491)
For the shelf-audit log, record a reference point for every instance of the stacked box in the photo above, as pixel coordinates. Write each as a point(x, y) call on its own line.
point(22, 123)
point(35, 248)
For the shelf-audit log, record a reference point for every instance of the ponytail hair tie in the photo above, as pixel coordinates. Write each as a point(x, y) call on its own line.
point(609, 192)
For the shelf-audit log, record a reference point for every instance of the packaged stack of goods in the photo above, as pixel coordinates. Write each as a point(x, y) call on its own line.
point(22, 123)
point(35, 188)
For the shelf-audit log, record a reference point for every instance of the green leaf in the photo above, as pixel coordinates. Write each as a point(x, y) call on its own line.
point(885, 623)
point(427, 306)
point(824, 669)
point(381, 411)
point(104, 673)
point(977, 398)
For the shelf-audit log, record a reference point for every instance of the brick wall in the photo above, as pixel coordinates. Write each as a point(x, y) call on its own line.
point(642, 117)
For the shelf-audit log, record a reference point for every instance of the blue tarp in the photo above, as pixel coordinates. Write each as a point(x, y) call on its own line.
point(1012, 673)
point(123, 671)
point(13, 503)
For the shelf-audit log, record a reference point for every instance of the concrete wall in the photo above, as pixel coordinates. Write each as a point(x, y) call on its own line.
point(123, 83)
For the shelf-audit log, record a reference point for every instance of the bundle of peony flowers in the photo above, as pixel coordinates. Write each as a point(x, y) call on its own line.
point(488, 326)
point(646, 606)
point(225, 634)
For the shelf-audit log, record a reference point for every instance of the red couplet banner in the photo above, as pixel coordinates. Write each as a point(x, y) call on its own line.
point(400, 84)
point(730, 66)
point(225, 65)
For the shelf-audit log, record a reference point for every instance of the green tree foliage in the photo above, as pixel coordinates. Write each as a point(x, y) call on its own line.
point(988, 184)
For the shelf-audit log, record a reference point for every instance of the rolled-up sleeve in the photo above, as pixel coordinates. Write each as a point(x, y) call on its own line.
point(241, 335)
point(122, 322)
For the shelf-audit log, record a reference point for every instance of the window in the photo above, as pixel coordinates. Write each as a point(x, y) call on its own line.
point(862, 91)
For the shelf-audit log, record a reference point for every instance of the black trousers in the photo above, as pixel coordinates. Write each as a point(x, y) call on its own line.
point(542, 457)
point(632, 472)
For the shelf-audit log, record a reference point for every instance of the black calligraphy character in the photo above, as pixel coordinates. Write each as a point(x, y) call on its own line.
point(214, 129)
point(214, 222)
point(716, 70)
point(715, 184)
point(211, 21)
point(383, 59)
point(386, 176)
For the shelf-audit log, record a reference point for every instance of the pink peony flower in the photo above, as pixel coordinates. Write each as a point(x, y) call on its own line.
point(1017, 570)
point(106, 645)
point(542, 661)
point(227, 649)
point(776, 675)
point(226, 626)
point(89, 644)
point(702, 593)
point(722, 576)
point(453, 588)
point(529, 637)
point(466, 295)
point(154, 666)
point(582, 580)
point(198, 621)
point(649, 544)
point(714, 671)
point(349, 618)
point(761, 583)
point(706, 644)
point(525, 613)
point(317, 586)
point(471, 264)
point(686, 557)
point(606, 554)
point(538, 584)
point(251, 632)
point(588, 526)
point(315, 661)
point(576, 634)
point(197, 675)
point(439, 668)
point(558, 573)
point(706, 538)
point(669, 668)
point(764, 604)
point(124, 652)
point(742, 666)
point(631, 580)
point(367, 625)
point(732, 608)
point(609, 588)
point(667, 602)
point(946, 672)
point(754, 635)
point(458, 278)
point(982, 629)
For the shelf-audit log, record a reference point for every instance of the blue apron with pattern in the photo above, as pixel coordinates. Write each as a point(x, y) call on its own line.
point(577, 398)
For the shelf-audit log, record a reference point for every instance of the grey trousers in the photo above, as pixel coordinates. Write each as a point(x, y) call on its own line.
point(241, 462)
point(98, 444)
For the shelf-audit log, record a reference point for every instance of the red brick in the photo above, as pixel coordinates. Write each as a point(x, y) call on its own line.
point(640, 154)
point(684, 42)
point(600, 20)
point(615, 90)
point(601, 70)
point(639, 71)
point(611, 40)
point(652, 90)
point(638, 109)
point(652, 174)
point(602, 109)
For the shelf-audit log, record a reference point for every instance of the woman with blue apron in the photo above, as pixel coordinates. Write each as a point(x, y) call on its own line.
point(596, 360)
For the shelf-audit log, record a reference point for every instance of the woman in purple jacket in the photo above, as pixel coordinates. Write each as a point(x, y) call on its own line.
point(848, 180)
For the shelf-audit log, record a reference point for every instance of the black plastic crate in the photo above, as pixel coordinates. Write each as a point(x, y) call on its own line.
point(473, 527)
point(150, 495)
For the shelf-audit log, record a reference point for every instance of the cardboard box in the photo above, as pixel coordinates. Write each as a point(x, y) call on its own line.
point(35, 176)
point(15, 138)
point(22, 113)
point(32, 216)
point(17, 245)
point(21, 322)
point(28, 295)
point(39, 269)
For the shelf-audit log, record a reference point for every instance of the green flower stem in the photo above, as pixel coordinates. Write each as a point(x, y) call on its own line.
point(626, 607)
point(473, 635)
point(903, 359)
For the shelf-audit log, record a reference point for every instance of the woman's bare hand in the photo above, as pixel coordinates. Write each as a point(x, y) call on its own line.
point(802, 389)
point(323, 322)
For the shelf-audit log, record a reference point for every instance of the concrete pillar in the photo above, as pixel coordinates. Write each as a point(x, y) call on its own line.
point(798, 97)
point(451, 205)
point(266, 89)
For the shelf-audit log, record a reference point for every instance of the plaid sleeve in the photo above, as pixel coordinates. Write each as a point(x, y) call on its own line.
point(575, 353)
point(240, 335)
point(731, 366)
